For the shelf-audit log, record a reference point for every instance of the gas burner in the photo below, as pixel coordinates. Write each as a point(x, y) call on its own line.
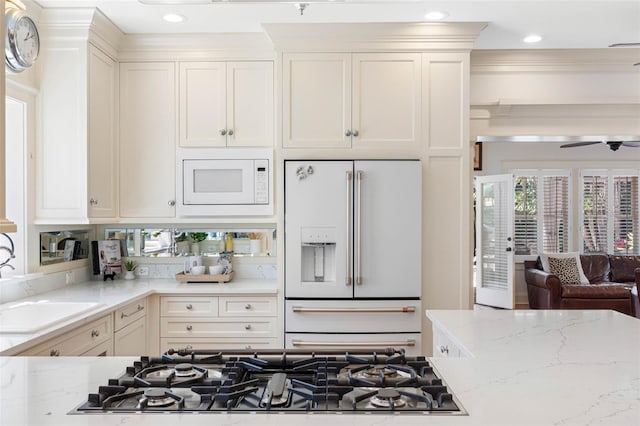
point(377, 371)
point(185, 370)
point(387, 398)
point(157, 397)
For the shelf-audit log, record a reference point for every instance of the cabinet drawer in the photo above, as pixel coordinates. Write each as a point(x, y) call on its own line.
point(78, 341)
point(231, 327)
point(245, 307)
point(129, 313)
point(177, 306)
point(217, 344)
point(443, 346)
point(103, 349)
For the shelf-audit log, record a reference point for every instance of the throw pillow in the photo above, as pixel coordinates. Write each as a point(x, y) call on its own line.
point(544, 259)
point(566, 269)
point(623, 268)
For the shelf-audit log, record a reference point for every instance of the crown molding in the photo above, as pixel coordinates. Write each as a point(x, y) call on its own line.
point(171, 47)
point(82, 24)
point(413, 36)
point(545, 60)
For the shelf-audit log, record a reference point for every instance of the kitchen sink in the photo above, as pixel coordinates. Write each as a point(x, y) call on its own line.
point(29, 317)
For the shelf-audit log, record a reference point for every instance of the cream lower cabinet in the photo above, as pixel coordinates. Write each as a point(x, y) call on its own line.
point(218, 322)
point(130, 336)
point(444, 346)
point(93, 339)
point(359, 100)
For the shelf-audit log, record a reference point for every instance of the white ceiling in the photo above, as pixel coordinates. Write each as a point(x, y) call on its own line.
point(561, 23)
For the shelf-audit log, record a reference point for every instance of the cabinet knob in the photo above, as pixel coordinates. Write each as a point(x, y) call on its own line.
point(347, 133)
point(247, 306)
point(54, 352)
point(189, 328)
point(247, 327)
point(95, 333)
point(172, 203)
point(189, 306)
point(356, 133)
point(93, 202)
point(223, 132)
point(248, 347)
point(444, 349)
point(230, 132)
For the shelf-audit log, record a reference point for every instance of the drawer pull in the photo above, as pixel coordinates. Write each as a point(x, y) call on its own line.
point(247, 306)
point(189, 328)
point(387, 344)
point(95, 333)
point(403, 310)
point(189, 306)
point(54, 352)
point(444, 349)
point(247, 327)
point(138, 309)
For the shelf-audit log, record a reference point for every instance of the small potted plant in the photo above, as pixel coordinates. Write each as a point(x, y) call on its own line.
point(197, 237)
point(182, 243)
point(130, 267)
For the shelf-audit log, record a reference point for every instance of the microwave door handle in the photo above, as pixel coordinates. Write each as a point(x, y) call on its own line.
point(349, 177)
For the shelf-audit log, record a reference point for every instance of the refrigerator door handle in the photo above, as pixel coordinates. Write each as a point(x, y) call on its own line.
point(349, 176)
point(358, 241)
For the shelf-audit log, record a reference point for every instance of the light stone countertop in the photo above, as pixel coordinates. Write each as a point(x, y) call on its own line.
point(528, 368)
point(115, 294)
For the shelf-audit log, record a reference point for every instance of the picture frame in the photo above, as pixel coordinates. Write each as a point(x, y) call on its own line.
point(477, 156)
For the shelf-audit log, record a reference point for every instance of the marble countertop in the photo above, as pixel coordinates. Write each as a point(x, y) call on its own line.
point(112, 295)
point(527, 368)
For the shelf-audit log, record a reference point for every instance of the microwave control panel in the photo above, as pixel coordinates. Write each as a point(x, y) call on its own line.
point(261, 181)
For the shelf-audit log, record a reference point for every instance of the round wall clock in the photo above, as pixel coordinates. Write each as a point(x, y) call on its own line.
point(22, 43)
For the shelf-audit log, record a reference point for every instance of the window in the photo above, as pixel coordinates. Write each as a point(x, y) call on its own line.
point(542, 220)
point(610, 219)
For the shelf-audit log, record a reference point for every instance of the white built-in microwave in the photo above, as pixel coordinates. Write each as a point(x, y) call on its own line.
point(224, 182)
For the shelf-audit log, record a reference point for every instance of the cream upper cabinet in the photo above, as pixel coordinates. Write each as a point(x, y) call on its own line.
point(102, 192)
point(76, 144)
point(147, 139)
point(359, 100)
point(226, 104)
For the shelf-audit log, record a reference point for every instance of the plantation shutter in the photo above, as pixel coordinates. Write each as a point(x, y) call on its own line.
point(555, 207)
point(595, 210)
point(626, 221)
point(526, 215)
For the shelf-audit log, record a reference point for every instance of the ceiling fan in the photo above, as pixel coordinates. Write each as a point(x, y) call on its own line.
point(613, 145)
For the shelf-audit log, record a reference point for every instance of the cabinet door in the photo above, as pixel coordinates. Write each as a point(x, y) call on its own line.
point(102, 135)
point(131, 340)
point(250, 104)
point(147, 140)
point(203, 104)
point(316, 100)
point(386, 100)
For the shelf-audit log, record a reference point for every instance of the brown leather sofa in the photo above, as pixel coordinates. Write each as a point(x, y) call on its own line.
point(635, 300)
point(611, 278)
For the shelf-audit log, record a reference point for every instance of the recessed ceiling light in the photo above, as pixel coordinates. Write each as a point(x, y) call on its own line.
point(436, 15)
point(173, 17)
point(533, 38)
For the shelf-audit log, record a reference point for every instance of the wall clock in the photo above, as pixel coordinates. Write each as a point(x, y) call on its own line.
point(22, 43)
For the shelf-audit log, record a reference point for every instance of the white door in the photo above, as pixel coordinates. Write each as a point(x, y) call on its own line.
point(318, 212)
point(387, 229)
point(494, 241)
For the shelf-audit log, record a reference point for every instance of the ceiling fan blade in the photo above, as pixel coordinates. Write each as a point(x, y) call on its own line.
point(632, 144)
point(571, 145)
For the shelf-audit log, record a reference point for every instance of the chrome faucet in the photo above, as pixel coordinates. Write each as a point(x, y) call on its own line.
point(6, 265)
point(11, 255)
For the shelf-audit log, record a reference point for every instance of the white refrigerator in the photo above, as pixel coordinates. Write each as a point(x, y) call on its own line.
point(353, 232)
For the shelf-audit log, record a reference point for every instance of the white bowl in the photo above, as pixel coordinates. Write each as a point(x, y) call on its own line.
point(197, 270)
point(215, 269)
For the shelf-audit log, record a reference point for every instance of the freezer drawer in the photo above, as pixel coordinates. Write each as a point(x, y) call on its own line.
point(410, 342)
point(353, 316)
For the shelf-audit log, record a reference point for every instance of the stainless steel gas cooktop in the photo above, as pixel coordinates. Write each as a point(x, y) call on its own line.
point(267, 381)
